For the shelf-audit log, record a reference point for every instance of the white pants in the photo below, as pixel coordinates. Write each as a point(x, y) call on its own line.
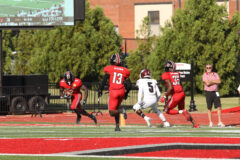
point(146, 104)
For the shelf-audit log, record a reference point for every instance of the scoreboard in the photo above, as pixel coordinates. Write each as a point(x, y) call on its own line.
point(20, 13)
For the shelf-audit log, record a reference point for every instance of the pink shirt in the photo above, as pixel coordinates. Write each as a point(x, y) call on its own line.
point(210, 77)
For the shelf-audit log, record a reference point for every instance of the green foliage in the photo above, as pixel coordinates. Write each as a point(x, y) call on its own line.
point(83, 49)
point(202, 33)
point(138, 59)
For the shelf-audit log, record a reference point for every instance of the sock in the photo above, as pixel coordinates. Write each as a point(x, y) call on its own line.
point(146, 117)
point(117, 120)
point(161, 116)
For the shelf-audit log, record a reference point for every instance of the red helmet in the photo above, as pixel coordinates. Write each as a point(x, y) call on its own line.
point(145, 73)
point(115, 59)
point(169, 66)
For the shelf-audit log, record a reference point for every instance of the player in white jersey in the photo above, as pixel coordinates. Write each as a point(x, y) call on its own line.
point(148, 96)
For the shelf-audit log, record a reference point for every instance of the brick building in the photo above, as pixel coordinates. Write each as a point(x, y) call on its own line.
point(127, 15)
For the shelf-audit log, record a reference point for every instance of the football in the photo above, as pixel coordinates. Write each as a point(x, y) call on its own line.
point(68, 93)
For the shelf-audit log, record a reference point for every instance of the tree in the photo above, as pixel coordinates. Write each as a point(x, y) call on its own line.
point(83, 49)
point(138, 59)
point(201, 32)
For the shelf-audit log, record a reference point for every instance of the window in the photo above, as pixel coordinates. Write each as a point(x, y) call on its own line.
point(154, 17)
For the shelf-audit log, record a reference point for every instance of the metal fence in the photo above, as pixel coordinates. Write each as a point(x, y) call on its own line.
point(93, 103)
point(28, 95)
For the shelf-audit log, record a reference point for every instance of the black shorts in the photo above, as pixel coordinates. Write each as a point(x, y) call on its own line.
point(213, 98)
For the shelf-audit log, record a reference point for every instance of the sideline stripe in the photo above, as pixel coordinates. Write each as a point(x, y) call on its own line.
point(151, 148)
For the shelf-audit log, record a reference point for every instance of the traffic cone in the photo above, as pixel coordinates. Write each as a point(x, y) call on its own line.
point(122, 120)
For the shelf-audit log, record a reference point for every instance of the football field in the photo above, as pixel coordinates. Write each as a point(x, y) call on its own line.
point(13, 7)
point(56, 136)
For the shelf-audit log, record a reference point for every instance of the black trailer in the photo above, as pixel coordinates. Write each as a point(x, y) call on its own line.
point(23, 93)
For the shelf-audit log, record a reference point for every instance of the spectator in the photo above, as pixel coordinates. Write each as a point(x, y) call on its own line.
point(211, 81)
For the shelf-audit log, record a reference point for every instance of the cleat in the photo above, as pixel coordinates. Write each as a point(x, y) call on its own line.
point(220, 124)
point(124, 113)
point(78, 119)
point(196, 126)
point(166, 124)
point(117, 128)
point(210, 124)
point(148, 120)
point(94, 119)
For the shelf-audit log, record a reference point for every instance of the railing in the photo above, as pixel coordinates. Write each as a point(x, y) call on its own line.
point(51, 95)
point(93, 103)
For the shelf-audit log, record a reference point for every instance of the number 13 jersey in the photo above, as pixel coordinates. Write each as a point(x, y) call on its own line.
point(174, 78)
point(117, 76)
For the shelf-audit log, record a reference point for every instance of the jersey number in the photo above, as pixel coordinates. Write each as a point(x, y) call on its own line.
point(117, 78)
point(150, 87)
point(176, 80)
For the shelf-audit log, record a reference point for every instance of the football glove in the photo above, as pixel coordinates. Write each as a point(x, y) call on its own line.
point(83, 102)
point(162, 99)
point(99, 93)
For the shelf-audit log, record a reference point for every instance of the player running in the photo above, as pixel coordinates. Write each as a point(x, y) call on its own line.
point(174, 88)
point(119, 86)
point(148, 96)
point(70, 86)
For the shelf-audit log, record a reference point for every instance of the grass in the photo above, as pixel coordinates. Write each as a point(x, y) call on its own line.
point(54, 131)
point(108, 131)
point(200, 102)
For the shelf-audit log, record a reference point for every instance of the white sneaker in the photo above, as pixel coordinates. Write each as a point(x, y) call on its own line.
point(220, 124)
point(148, 120)
point(210, 124)
point(166, 124)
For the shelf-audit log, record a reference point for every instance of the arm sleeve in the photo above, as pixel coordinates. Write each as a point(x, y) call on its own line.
point(239, 88)
point(158, 91)
point(104, 81)
point(128, 85)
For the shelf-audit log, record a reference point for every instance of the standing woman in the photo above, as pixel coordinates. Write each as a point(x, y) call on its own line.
point(211, 81)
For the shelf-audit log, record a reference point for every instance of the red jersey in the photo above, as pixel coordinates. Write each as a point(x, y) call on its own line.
point(75, 86)
point(117, 76)
point(174, 78)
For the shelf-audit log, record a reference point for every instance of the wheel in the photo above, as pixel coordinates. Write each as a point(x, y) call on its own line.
point(18, 105)
point(36, 104)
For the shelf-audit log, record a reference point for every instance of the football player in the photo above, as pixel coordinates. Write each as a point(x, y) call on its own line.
point(119, 86)
point(71, 87)
point(148, 96)
point(174, 88)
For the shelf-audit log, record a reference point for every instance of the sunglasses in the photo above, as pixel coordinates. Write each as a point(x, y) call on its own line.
point(208, 67)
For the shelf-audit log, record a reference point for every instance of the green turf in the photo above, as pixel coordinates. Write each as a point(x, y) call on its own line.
point(108, 131)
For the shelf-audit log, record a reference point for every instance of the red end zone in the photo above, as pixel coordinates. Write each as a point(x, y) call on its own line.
point(190, 147)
